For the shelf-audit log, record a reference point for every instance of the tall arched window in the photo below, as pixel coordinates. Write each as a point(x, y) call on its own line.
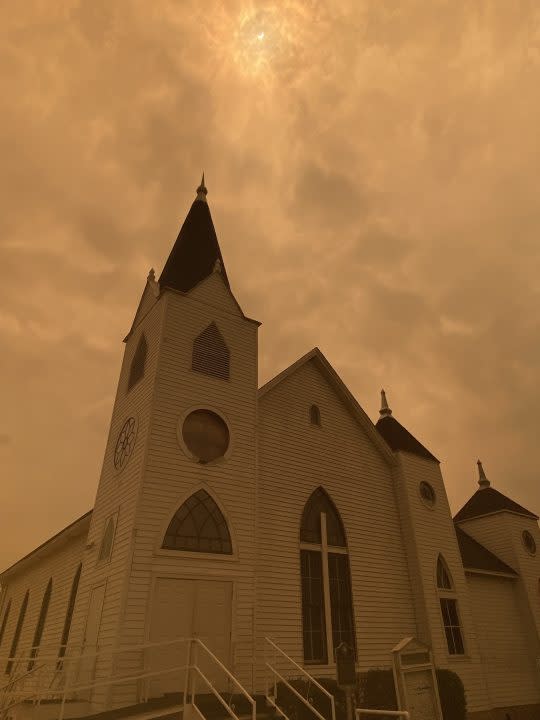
point(4, 621)
point(210, 353)
point(136, 372)
point(199, 526)
point(69, 615)
point(327, 607)
point(40, 623)
point(314, 415)
point(18, 629)
point(449, 609)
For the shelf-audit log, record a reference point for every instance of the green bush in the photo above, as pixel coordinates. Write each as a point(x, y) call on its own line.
point(451, 694)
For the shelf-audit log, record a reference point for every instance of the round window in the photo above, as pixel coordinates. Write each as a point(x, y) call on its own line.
point(529, 542)
point(206, 435)
point(427, 493)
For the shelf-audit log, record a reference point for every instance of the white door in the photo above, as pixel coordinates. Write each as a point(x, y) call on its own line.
point(421, 702)
point(86, 672)
point(183, 608)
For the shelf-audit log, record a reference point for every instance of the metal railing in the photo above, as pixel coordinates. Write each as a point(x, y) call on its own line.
point(10, 698)
point(393, 713)
point(272, 699)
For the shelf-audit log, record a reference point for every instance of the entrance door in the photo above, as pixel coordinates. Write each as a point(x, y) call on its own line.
point(87, 665)
point(420, 695)
point(183, 608)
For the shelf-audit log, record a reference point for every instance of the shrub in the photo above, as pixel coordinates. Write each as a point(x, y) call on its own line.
point(451, 694)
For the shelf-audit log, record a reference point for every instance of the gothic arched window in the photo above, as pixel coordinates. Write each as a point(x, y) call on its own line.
point(17, 635)
point(199, 526)
point(314, 415)
point(449, 609)
point(327, 607)
point(4, 621)
point(136, 372)
point(40, 623)
point(211, 355)
point(69, 615)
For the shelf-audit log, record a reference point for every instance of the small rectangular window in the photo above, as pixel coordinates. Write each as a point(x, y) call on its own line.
point(107, 540)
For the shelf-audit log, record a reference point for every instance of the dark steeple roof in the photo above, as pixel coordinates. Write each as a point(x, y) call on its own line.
point(487, 500)
point(397, 436)
point(196, 249)
point(477, 557)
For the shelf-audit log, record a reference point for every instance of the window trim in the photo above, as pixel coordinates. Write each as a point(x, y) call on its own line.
point(177, 504)
point(187, 452)
point(325, 549)
point(449, 594)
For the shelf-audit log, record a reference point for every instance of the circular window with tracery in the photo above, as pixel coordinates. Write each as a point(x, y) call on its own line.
point(528, 541)
point(205, 435)
point(125, 443)
point(427, 493)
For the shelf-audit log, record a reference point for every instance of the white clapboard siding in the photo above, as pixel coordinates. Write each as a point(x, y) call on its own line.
point(170, 477)
point(59, 560)
point(504, 646)
point(295, 458)
point(433, 533)
point(117, 493)
point(502, 534)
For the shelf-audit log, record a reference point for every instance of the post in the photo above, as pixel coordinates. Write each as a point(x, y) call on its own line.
point(346, 676)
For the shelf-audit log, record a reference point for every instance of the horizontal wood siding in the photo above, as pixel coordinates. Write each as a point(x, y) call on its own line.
point(295, 458)
point(170, 476)
point(434, 534)
point(60, 563)
point(118, 493)
point(504, 646)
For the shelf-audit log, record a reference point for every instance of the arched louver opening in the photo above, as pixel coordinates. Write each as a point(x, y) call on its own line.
point(41, 623)
point(314, 415)
point(17, 635)
point(199, 526)
point(138, 363)
point(327, 606)
point(4, 621)
point(69, 616)
point(107, 541)
point(449, 609)
point(211, 355)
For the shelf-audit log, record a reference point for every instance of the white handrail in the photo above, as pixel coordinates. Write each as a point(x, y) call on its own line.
point(394, 713)
point(304, 672)
point(243, 691)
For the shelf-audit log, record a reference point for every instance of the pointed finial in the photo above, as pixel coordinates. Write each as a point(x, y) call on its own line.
point(201, 190)
point(482, 479)
point(385, 410)
point(217, 266)
point(151, 275)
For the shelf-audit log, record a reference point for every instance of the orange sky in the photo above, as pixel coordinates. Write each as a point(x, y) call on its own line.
point(372, 169)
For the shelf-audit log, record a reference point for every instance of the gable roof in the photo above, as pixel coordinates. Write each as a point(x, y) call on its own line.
point(399, 438)
point(75, 528)
point(477, 557)
point(341, 390)
point(487, 500)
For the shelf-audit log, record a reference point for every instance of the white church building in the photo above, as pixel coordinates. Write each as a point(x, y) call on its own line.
point(248, 531)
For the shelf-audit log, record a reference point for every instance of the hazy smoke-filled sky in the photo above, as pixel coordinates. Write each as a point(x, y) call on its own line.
point(373, 177)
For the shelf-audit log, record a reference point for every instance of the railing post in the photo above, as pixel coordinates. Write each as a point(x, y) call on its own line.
point(188, 672)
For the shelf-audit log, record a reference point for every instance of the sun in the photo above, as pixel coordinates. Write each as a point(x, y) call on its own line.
point(260, 39)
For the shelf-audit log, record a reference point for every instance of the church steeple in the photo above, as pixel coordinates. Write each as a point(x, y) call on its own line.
point(482, 479)
point(196, 250)
point(385, 410)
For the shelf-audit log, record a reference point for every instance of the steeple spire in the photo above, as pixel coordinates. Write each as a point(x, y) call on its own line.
point(385, 410)
point(482, 480)
point(202, 192)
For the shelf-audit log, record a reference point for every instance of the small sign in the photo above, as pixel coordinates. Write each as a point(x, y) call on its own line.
point(345, 665)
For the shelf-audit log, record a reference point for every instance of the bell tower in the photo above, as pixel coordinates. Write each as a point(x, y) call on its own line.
point(171, 546)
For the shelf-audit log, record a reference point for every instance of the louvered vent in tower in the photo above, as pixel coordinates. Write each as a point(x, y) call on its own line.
point(211, 354)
